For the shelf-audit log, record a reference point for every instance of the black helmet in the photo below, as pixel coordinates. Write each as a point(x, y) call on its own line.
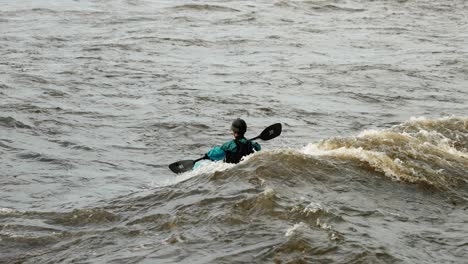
point(239, 126)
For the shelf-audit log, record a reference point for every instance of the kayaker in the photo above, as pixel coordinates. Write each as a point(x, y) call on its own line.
point(233, 151)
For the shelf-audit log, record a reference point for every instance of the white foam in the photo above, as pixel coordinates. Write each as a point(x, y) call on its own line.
point(313, 208)
point(208, 167)
point(269, 192)
point(6, 211)
point(378, 160)
point(322, 225)
point(295, 229)
point(369, 132)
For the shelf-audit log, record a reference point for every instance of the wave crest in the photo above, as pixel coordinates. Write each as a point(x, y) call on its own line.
point(432, 152)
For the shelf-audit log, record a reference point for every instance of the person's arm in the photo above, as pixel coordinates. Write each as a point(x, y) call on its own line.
point(216, 153)
point(256, 146)
point(219, 153)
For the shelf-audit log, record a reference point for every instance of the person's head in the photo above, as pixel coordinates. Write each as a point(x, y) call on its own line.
point(239, 127)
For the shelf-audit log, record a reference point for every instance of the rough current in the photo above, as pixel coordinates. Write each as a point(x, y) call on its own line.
point(97, 97)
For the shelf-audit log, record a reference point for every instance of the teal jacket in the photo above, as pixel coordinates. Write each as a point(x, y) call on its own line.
point(219, 152)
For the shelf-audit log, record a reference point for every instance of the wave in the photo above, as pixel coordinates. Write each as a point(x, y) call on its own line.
point(319, 6)
point(433, 152)
point(211, 8)
point(77, 217)
point(12, 123)
point(39, 157)
point(345, 200)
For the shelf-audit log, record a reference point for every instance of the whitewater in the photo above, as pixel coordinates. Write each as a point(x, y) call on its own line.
point(98, 97)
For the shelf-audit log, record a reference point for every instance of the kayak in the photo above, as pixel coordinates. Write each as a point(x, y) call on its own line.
point(187, 165)
point(201, 163)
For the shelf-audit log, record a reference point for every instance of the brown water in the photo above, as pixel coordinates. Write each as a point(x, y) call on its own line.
point(98, 97)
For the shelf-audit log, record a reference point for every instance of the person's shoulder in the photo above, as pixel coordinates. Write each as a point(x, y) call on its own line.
point(228, 145)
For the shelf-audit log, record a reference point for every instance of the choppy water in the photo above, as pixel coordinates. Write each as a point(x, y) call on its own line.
point(98, 97)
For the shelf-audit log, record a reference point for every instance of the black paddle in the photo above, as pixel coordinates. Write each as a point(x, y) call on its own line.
point(185, 165)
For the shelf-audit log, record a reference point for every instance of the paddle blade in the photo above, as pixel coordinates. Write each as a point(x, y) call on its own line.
point(181, 166)
point(271, 132)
